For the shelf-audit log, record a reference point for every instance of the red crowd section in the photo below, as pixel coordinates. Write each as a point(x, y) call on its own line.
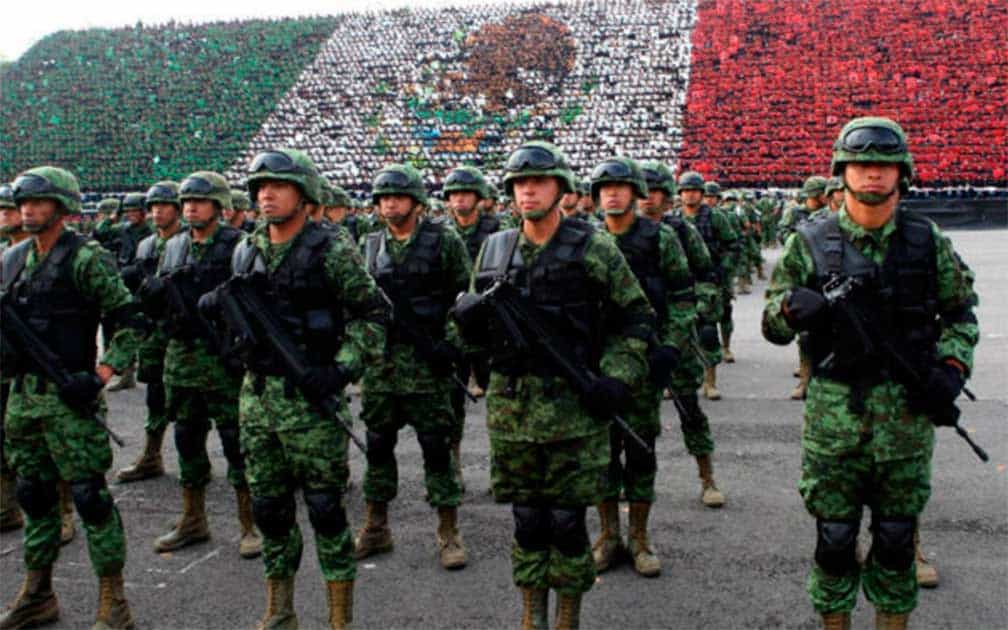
point(772, 83)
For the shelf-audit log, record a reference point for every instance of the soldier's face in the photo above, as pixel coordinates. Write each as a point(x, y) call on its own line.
point(711, 200)
point(199, 212)
point(395, 209)
point(164, 215)
point(691, 197)
point(336, 213)
point(278, 200)
point(569, 201)
point(10, 220)
point(835, 199)
point(654, 203)
point(615, 196)
point(228, 214)
point(134, 217)
point(462, 201)
point(537, 193)
point(37, 214)
point(872, 178)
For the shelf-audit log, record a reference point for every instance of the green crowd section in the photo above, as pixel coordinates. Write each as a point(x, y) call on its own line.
point(125, 107)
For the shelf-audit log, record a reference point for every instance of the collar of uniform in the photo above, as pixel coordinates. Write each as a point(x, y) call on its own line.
point(210, 239)
point(879, 235)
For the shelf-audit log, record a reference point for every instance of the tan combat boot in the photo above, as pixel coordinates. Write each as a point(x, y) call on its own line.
point(891, 621)
point(340, 604)
point(710, 495)
point(927, 574)
point(645, 561)
point(456, 449)
point(804, 374)
point(126, 380)
point(279, 606)
point(67, 528)
point(836, 621)
point(113, 609)
point(453, 555)
point(607, 548)
point(726, 352)
point(745, 285)
point(568, 612)
point(191, 527)
point(535, 609)
point(474, 389)
point(760, 273)
point(250, 545)
point(10, 511)
point(376, 536)
point(35, 603)
point(710, 390)
point(149, 464)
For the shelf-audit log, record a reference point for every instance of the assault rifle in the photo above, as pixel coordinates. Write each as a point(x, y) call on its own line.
point(28, 346)
point(529, 336)
point(253, 327)
point(837, 293)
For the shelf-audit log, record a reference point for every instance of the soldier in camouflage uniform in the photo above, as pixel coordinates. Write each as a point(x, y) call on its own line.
point(421, 265)
point(331, 307)
point(339, 212)
point(128, 235)
point(64, 284)
point(868, 436)
point(200, 389)
point(722, 243)
point(163, 204)
point(712, 197)
point(834, 193)
point(549, 443)
point(236, 216)
point(105, 228)
point(659, 263)
point(689, 371)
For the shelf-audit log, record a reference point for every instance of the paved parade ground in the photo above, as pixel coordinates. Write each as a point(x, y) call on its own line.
point(742, 566)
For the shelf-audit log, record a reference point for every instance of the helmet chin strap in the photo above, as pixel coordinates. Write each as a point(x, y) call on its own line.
point(281, 220)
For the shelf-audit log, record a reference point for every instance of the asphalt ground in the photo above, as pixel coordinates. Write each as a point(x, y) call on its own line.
point(743, 566)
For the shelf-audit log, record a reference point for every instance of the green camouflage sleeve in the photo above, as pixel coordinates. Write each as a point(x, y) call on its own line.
point(956, 299)
point(366, 309)
point(623, 356)
point(795, 268)
point(708, 296)
point(458, 267)
point(95, 275)
point(729, 244)
point(675, 326)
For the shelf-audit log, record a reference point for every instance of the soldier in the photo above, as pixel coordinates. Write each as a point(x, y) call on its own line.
point(550, 443)
point(339, 212)
point(163, 204)
point(834, 193)
point(658, 262)
point(64, 284)
point(10, 234)
point(330, 306)
point(722, 243)
point(869, 433)
point(466, 189)
point(713, 198)
point(421, 266)
point(199, 388)
point(689, 371)
point(236, 216)
point(104, 230)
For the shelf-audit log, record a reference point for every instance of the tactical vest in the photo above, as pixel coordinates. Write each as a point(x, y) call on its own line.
point(129, 237)
point(51, 304)
point(300, 295)
point(196, 277)
point(417, 286)
point(485, 226)
point(568, 301)
point(704, 221)
point(678, 224)
point(900, 297)
point(641, 247)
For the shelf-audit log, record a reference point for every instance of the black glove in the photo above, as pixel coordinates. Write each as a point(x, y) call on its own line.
point(81, 390)
point(152, 296)
point(472, 314)
point(208, 304)
point(708, 337)
point(942, 386)
point(445, 357)
point(132, 276)
point(607, 396)
point(322, 382)
point(804, 308)
point(662, 360)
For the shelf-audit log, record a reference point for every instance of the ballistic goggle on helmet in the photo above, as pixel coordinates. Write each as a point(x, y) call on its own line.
point(49, 182)
point(288, 165)
point(873, 139)
point(538, 158)
point(206, 185)
point(618, 170)
point(163, 192)
point(399, 179)
point(467, 179)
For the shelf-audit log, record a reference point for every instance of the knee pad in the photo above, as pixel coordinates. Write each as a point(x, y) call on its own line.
point(569, 531)
point(532, 527)
point(231, 445)
point(325, 511)
point(156, 397)
point(893, 542)
point(436, 451)
point(92, 498)
point(836, 544)
point(37, 497)
point(381, 447)
point(275, 516)
point(190, 439)
point(637, 459)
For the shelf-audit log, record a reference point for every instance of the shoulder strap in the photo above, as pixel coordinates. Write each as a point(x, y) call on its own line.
point(826, 243)
point(14, 259)
point(373, 245)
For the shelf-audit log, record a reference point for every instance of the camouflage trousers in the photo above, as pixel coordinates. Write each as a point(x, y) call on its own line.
point(727, 325)
point(631, 468)
point(693, 422)
point(288, 445)
point(194, 411)
point(156, 397)
point(837, 489)
point(432, 417)
point(569, 474)
point(61, 445)
point(4, 391)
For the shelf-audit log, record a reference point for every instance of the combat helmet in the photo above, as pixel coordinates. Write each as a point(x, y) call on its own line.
point(289, 165)
point(7, 197)
point(657, 176)
point(240, 199)
point(873, 139)
point(49, 182)
point(711, 189)
point(163, 192)
point(467, 179)
point(618, 170)
point(399, 179)
point(538, 158)
point(814, 186)
point(691, 180)
point(206, 185)
point(134, 201)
